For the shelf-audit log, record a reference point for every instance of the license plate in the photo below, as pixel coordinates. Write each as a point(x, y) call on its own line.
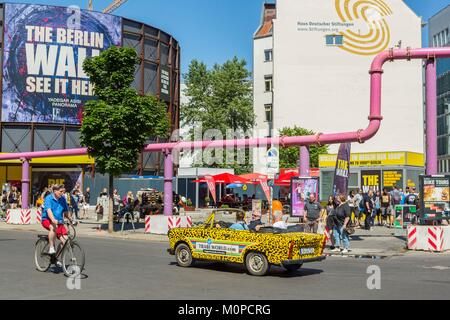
point(307, 251)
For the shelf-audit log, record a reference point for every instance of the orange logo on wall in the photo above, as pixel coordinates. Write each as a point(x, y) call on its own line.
point(373, 13)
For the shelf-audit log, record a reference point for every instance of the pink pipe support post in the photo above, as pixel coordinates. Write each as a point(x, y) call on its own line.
point(168, 180)
point(431, 126)
point(304, 162)
point(25, 183)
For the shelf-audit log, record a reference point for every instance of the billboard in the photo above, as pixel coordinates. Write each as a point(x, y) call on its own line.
point(44, 50)
point(301, 188)
point(435, 197)
point(370, 179)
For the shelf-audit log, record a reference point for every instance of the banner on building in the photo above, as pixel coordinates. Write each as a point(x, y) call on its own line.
point(392, 178)
point(301, 189)
point(370, 180)
point(44, 50)
point(211, 186)
point(342, 171)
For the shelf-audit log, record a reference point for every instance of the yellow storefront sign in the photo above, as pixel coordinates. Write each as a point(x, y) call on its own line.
point(74, 160)
point(376, 159)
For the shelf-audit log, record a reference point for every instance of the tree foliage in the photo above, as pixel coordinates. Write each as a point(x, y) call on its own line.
point(289, 156)
point(117, 125)
point(220, 99)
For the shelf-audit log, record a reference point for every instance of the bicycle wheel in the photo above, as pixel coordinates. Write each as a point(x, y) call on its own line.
point(41, 258)
point(73, 259)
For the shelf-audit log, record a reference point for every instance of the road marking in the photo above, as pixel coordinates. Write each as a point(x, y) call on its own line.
point(440, 268)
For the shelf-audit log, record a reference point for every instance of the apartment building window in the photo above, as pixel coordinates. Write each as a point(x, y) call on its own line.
point(269, 112)
point(268, 55)
point(334, 40)
point(268, 80)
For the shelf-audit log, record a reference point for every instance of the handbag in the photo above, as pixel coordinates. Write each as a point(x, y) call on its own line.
point(350, 230)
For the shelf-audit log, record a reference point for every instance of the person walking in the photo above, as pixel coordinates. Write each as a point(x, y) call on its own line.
point(358, 209)
point(116, 200)
point(75, 199)
point(386, 208)
point(331, 213)
point(312, 217)
point(86, 203)
point(377, 208)
point(341, 222)
point(368, 208)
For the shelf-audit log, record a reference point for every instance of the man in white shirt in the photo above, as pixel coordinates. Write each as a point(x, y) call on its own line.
point(278, 220)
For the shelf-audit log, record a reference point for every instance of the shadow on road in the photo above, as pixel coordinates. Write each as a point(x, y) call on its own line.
point(275, 271)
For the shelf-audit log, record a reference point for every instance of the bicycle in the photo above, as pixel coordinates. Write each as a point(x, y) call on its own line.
point(71, 253)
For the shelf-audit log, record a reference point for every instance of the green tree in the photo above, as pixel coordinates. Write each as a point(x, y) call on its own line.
point(221, 99)
point(289, 156)
point(116, 125)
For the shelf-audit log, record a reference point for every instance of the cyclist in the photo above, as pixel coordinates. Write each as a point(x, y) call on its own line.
point(55, 209)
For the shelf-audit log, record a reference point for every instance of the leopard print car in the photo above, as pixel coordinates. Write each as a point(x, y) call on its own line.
point(206, 242)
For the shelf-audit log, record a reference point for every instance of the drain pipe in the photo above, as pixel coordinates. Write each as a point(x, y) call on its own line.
point(431, 126)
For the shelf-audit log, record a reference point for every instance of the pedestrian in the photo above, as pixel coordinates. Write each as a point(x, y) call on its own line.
point(86, 203)
point(116, 200)
point(331, 214)
point(368, 208)
point(4, 201)
point(312, 217)
point(341, 223)
point(104, 192)
point(386, 208)
point(75, 204)
point(351, 199)
point(377, 208)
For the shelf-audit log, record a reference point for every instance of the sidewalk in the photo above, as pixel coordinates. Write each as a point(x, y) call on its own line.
point(381, 242)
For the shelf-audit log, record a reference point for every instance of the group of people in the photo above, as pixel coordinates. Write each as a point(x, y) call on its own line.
point(77, 201)
point(11, 199)
point(380, 205)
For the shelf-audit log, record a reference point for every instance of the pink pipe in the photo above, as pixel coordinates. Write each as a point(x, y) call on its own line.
point(332, 138)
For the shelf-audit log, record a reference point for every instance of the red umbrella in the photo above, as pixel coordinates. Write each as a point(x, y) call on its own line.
point(255, 178)
point(284, 180)
point(225, 178)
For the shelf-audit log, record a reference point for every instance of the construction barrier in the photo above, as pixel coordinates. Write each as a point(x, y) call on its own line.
point(162, 224)
point(429, 238)
point(23, 216)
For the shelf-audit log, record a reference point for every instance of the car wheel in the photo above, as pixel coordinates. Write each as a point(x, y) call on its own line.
point(183, 255)
point(257, 264)
point(292, 267)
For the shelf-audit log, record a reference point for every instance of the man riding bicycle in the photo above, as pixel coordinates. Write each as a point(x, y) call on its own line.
point(55, 209)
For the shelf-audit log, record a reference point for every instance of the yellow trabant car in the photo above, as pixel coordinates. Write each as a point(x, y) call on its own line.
point(256, 250)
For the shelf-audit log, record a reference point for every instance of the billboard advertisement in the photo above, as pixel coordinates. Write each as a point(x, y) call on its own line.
point(435, 195)
point(301, 188)
point(341, 173)
point(371, 180)
point(44, 51)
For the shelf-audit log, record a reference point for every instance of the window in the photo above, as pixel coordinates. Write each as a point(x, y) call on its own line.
point(268, 55)
point(269, 112)
point(334, 40)
point(268, 83)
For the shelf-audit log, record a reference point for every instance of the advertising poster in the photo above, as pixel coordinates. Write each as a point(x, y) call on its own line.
point(43, 179)
point(434, 193)
point(371, 179)
point(392, 178)
point(405, 215)
point(44, 51)
point(342, 170)
point(301, 188)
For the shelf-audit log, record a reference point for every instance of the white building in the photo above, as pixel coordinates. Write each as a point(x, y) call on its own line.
point(311, 63)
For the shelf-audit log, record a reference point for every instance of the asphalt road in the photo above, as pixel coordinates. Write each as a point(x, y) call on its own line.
point(124, 269)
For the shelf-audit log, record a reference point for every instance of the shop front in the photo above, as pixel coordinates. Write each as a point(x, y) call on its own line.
point(375, 170)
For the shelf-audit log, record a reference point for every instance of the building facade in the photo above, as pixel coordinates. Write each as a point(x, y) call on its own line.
point(438, 36)
point(44, 86)
point(321, 52)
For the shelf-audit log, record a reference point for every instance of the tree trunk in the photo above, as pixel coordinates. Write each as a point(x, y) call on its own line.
point(111, 203)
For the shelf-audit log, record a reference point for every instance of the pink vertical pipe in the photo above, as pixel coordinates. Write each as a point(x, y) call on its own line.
point(25, 182)
point(304, 162)
point(431, 115)
point(168, 181)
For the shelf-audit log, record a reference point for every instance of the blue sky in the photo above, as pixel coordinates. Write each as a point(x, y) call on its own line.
point(211, 30)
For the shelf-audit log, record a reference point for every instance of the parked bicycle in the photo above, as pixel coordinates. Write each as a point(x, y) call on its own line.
point(70, 255)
